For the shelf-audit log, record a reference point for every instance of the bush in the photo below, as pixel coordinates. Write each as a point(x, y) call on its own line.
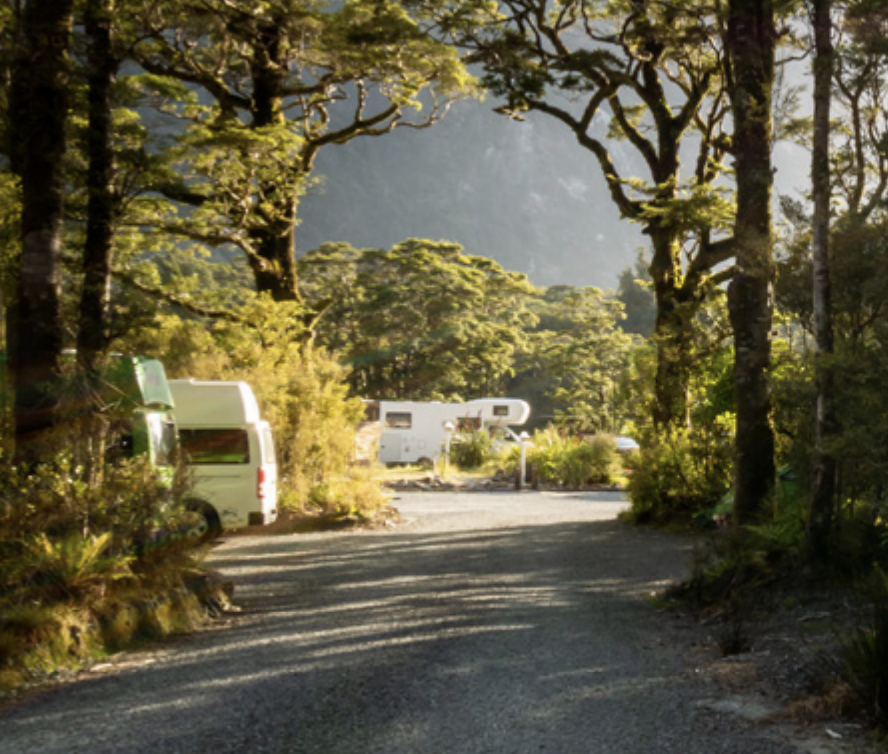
point(67, 548)
point(592, 461)
point(471, 450)
point(570, 461)
point(356, 496)
point(679, 476)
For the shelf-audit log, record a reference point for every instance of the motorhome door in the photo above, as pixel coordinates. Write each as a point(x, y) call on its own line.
point(396, 430)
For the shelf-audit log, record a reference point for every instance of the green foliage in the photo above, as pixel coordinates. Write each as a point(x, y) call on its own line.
point(10, 231)
point(571, 462)
point(248, 145)
point(859, 363)
point(72, 567)
point(315, 422)
point(471, 450)
point(354, 496)
point(866, 651)
point(68, 548)
point(574, 361)
point(635, 292)
point(422, 321)
point(588, 462)
point(680, 475)
point(36, 640)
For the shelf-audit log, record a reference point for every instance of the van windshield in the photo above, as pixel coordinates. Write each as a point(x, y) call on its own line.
point(204, 446)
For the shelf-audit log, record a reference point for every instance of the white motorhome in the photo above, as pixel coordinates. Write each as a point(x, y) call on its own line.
point(230, 452)
point(415, 432)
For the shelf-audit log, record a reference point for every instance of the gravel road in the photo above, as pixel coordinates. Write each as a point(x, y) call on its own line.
point(496, 623)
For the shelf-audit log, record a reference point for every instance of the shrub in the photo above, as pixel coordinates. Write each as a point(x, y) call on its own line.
point(679, 476)
point(356, 496)
point(470, 450)
point(68, 547)
point(592, 461)
point(570, 461)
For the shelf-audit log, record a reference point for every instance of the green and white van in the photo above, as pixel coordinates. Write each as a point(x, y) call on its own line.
point(229, 450)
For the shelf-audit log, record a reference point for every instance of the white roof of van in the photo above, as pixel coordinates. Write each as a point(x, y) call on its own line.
point(213, 403)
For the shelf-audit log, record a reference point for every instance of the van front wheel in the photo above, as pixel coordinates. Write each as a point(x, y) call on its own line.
point(208, 525)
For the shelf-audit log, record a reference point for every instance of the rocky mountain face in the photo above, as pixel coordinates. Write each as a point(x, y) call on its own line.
point(523, 193)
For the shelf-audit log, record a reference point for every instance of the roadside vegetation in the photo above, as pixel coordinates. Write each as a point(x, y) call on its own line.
point(88, 568)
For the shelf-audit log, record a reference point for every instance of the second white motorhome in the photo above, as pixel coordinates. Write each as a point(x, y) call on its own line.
point(230, 452)
point(415, 431)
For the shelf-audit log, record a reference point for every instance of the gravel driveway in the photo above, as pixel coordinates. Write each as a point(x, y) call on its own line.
point(502, 623)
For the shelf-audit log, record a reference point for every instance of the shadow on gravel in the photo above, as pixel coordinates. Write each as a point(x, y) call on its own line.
point(496, 640)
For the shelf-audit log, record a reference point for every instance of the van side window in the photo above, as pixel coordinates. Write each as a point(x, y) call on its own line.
point(500, 410)
point(204, 446)
point(399, 420)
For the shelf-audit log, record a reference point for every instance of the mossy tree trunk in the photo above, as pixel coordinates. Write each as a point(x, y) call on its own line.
point(751, 49)
point(40, 93)
point(92, 332)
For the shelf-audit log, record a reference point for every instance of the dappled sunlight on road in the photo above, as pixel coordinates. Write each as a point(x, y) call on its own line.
point(405, 641)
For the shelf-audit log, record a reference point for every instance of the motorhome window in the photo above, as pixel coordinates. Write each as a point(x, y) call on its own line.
point(163, 440)
point(500, 410)
point(215, 446)
point(399, 420)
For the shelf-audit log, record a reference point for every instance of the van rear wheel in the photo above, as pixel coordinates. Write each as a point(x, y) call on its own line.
point(208, 525)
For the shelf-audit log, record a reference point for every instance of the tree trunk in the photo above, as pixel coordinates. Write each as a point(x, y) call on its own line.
point(670, 334)
point(275, 270)
point(823, 492)
point(751, 44)
point(42, 86)
point(92, 333)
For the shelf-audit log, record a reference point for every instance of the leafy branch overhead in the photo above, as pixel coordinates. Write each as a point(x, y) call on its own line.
point(249, 95)
point(649, 75)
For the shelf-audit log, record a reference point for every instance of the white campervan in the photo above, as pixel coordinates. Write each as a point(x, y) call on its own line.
point(415, 431)
point(230, 452)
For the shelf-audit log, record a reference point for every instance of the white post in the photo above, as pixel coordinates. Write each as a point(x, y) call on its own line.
point(448, 428)
point(522, 472)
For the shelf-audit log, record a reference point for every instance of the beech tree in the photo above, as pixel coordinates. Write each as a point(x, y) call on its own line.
point(102, 65)
point(646, 75)
point(751, 43)
point(420, 321)
point(257, 90)
point(579, 355)
point(38, 114)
